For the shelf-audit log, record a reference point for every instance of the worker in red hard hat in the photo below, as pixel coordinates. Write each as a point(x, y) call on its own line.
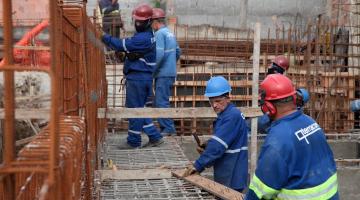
point(167, 54)
point(139, 66)
point(279, 65)
point(295, 161)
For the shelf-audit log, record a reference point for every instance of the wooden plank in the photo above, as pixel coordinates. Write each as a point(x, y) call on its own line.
point(33, 113)
point(211, 186)
point(255, 98)
point(25, 140)
point(134, 174)
point(203, 98)
point(176, 113)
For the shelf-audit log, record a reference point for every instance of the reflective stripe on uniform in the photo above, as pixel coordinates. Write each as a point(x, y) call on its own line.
point(135, 132)
point(143, 60)
point(236, 150)
point(220, 141)
point(323, 191)
point(261, 189)
point(169, 50)
point(149, 125)
point(124, 45)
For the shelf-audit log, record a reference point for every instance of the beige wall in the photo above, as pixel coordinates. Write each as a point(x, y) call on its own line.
point(31, 10)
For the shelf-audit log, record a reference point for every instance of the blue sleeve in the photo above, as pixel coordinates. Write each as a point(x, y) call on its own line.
point(178, 51)
point(113, 42)
point(270, 175)
point(160, 46)
point(132, 44)
point(137, 43)
point(219, 142)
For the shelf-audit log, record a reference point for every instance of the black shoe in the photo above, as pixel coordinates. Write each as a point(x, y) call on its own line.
point(154, 143)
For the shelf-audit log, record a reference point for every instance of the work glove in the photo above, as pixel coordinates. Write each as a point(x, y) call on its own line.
point(200, 149)
point(189, 170)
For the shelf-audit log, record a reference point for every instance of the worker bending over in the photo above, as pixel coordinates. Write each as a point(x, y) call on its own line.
point(226, 151)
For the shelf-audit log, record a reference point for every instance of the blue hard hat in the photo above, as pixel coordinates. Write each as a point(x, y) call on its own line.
point(217, 86)
point(305, 94)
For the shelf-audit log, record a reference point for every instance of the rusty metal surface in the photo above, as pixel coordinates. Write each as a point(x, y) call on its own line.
point(60, 161)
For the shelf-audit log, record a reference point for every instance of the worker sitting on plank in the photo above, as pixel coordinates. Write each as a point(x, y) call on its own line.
point(295, 161)
point(226, 151)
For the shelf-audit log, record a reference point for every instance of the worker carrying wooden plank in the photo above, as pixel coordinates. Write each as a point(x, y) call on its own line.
point(227, 149)
point(295, 161)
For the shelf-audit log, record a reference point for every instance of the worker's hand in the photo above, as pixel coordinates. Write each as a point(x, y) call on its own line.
point(200, 149)
point(189, 171)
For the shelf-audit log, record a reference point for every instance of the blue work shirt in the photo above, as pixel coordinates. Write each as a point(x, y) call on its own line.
point(167, 53)
point(295, 162)
point(227, 151)
point(142, 43)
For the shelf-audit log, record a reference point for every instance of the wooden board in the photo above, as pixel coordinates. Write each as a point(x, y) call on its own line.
point(199, 112)
point(211, 186)
point(134, 174)
point(33, 113)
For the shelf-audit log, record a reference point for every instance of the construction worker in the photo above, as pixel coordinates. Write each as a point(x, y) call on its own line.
point(226, 151)
point(167, 54)
point(295, 161)
point(111, 18)
point(280, 65)
point(140, 61)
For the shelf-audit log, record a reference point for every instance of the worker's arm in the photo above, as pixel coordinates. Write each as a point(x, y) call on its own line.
point(160, 46)
point(178, 51)
point(270, 175)
point(131, 44)
point(219, 142)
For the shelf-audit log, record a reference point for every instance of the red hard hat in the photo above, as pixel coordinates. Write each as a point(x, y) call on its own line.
point(158, 13)
point(282, 62)
point(277, 86)
point(142, 12)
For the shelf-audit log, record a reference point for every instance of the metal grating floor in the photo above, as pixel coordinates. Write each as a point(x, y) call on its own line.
point(151, 189)
point(169, 155)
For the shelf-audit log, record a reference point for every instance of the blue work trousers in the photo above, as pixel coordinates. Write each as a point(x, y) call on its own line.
point(162, 94)
point(137, 93)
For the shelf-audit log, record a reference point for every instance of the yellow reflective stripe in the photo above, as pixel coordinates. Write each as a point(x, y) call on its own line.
point(261, 189)
point(323, 191)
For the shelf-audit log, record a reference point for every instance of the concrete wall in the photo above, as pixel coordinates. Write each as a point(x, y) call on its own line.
point(238, 14)
point(28, 9)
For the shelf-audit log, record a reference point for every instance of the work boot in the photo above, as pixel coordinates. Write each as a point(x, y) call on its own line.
point(127, 146)
point(154, 143)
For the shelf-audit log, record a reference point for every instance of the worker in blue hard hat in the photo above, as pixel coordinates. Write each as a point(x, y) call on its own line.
point(226, 150)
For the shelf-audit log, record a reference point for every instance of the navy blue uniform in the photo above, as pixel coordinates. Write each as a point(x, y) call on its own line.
point(295, 162)
point(227, 150)
point(138, 73)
